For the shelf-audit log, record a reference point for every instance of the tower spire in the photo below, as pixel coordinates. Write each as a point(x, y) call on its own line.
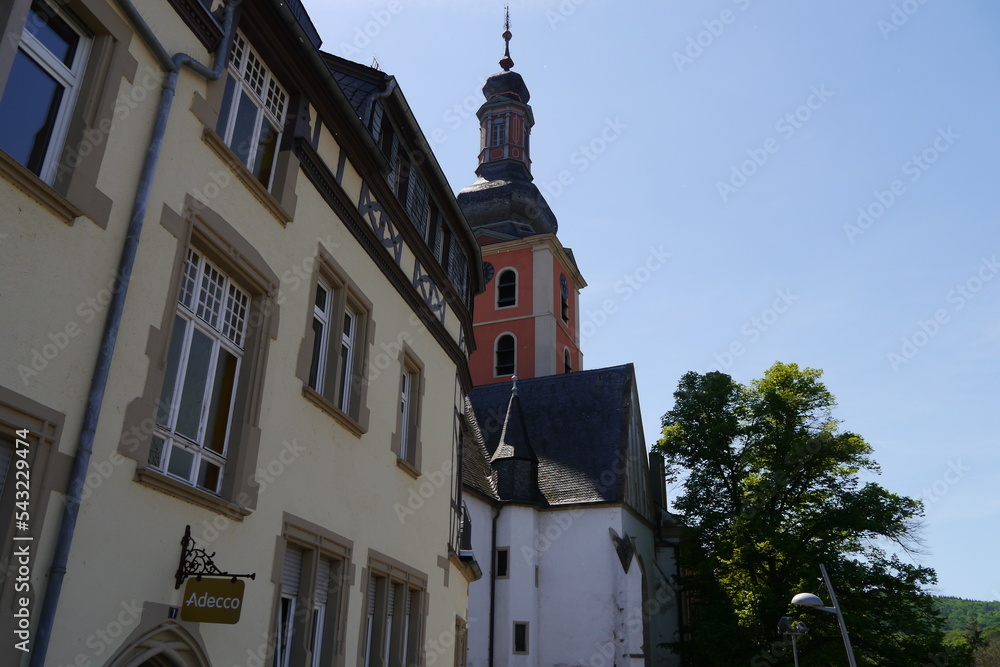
point(506, 63)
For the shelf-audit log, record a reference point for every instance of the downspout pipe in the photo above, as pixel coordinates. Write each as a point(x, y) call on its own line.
point(493, 582)
point(109, 337)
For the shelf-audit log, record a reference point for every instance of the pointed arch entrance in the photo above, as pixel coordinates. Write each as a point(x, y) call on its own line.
point(168, 644)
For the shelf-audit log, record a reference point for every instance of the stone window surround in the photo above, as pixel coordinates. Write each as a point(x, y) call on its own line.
point(49, 471)
point(206, 231)
point(527, 638)
point(281, 199)
point(409, 362)
point(74, 191)
point(316, 541)
point(496, 287)
point(496, 345)
point(380, 565)
point(345, 291)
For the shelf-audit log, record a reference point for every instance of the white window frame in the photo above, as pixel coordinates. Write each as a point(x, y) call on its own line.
point(406, 405)
point(348, 348)
point(322, 339)
point(189, 304)
point(268, 96)
point(498, 131)
point(500, 274)
point(496, 355)
point(70, 78)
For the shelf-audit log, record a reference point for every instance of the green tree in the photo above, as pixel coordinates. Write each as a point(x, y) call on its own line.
point(771, 489)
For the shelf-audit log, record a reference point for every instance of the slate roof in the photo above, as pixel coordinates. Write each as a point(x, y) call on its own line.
point(477, 473)
point(358, 81)
point(578, 425)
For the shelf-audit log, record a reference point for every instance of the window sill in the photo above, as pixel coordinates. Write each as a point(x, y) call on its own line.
point(245, 176)
point(37, 189)
point(178, 489)
point(407, 467)
point(342, 418)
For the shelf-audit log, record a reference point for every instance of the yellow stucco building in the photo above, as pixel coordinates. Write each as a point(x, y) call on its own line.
point(236, 294)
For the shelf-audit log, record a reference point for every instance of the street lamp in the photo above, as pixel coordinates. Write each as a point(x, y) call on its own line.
point(810, 600)
point(792, 628)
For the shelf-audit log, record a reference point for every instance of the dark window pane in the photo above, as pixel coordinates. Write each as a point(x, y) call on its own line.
point(345, 378)
point(321, 295)
point(505, 356)
point(506, 289)
point(222, 399)
point(227, 106)
point(209, 475)
point(317, 347)
point(28, 112)
point(53, 32)
point(181, 461)
point(189, 412)
point(246, 121)
point(170, 377)
point(267, 146)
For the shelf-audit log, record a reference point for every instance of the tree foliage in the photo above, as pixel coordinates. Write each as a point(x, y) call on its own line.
point(771, 489)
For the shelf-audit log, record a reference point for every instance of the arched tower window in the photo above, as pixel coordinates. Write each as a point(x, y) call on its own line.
point(507, 289)
point(506, 355)
point(567, 361)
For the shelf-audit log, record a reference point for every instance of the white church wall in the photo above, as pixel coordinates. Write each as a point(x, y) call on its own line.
point(579, 586)
point(481, 514)
point(517, 596)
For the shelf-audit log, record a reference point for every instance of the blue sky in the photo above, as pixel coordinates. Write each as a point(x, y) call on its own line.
point(821, 175)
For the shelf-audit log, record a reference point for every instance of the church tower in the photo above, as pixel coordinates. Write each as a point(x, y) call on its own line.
point(527, 321)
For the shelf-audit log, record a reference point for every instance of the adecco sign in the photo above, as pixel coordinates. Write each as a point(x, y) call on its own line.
point(213, 601)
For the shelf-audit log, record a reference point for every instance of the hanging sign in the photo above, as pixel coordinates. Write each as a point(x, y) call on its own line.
point(212, 601)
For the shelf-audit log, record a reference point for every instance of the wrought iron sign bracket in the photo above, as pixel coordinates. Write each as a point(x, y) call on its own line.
point(198, 563)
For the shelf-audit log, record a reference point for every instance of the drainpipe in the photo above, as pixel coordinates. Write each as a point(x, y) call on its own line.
point(493, 582)
point(109, 337)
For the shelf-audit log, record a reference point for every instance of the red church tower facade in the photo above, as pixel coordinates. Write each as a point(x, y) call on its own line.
point(527, 321)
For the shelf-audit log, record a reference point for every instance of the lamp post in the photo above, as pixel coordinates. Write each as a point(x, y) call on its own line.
point(792, 628)
point(810, 600)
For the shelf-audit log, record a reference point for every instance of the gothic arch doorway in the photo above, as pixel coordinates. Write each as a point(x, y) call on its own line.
point(168, 644)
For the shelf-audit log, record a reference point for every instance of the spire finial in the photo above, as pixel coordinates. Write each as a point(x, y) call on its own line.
point(513, 386)
point(506, 63)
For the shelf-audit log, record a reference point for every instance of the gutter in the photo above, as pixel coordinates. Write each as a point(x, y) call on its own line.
point(109, 336)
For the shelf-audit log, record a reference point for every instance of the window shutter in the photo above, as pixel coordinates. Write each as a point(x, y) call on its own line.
point(292, 573)
point(372, 588)
point(323, 581)
point(392, 598)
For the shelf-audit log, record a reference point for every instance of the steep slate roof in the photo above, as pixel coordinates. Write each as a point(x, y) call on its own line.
point(477, 473)
point(514, 441)
point(578, 423)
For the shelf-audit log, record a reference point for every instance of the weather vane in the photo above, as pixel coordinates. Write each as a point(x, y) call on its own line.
point(506, 62)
